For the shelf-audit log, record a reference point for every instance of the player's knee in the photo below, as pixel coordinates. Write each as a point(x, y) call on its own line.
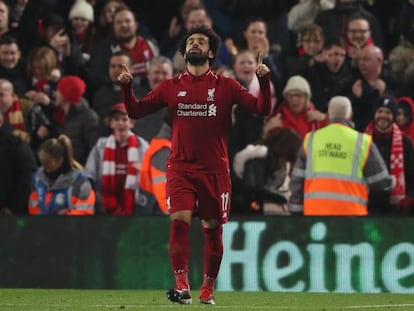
point(210, 224)
point(184, 216)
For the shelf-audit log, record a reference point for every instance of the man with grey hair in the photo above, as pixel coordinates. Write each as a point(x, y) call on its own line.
point(336, 168)
point(340, 108)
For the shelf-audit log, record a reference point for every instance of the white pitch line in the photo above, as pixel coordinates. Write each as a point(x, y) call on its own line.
point(400, 305)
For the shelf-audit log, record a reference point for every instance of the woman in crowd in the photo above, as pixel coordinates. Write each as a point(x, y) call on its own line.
point(59, 185)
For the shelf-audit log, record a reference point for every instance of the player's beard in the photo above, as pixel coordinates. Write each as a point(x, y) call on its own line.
point(196, 59)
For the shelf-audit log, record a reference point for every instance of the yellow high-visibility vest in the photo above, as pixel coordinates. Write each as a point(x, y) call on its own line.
point(334, 181)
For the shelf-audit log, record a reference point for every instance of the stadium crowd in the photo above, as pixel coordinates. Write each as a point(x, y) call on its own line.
point(67, 145)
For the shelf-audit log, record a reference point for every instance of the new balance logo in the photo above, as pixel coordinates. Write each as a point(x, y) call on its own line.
point(181, 93)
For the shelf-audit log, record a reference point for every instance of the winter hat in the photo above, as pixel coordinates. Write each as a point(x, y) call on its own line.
point(389, 102)
point(405, 104)
point(81, 9)
point(54, 21)
point(298, 83)
point(118, 108)
point(72, 88)
point(339, 107)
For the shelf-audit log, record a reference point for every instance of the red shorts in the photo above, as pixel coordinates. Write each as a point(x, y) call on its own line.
point(207, 195)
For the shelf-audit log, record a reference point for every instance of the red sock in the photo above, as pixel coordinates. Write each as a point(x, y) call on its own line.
point(213, 253)
point(179, 250)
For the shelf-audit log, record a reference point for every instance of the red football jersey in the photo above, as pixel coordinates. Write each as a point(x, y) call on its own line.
point(200, 110)
point(142, 53)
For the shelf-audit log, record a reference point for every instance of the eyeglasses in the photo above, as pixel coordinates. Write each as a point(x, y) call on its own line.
point(358, 31)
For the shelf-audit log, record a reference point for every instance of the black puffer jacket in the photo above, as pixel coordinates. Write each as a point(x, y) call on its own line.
point(17, 164)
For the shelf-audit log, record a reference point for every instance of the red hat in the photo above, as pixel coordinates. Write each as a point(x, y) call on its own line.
point(72, 88)
point(118, 108)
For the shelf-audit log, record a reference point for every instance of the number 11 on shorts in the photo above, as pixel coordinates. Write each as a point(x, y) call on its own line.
point(225, 196)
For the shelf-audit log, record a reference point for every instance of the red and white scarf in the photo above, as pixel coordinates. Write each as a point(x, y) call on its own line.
point(14, 116)
point(396, 162)
point(125, 204)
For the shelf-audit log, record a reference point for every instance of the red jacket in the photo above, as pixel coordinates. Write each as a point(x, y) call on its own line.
point(409, 128)
point(298, 122)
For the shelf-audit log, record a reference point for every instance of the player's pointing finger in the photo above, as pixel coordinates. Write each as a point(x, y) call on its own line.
point(260, 59)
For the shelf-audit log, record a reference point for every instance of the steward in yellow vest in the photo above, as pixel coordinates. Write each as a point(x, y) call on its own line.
point(336, 168)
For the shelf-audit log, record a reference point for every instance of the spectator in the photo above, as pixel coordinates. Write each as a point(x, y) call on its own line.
point(54, 34)
point(12, 65)
point(124, 37)
point(262, 172)
point(43, 75)
point(390, 16)
point(36, 18)
point(256, 40)
point(59, 185)
point(358, 37)
point(405, 20)
point(74, 118)
point(303, 14)
point(109, 93)
point(106, 16)
point(12, 110)
point(331, 76)
point(308, 52)
point(153, 199)
point(370, 84)
point(334, 176)
point(296, 112)
point(246, 128)
point(179, 24)
point(273, 13)
point(17, 165)
point(43, 72)
point(405, 116)
point(401, 62)
point(81, 28)
point(160, 69)
point(334, 21)
point(16, 11)
point(158, 15)
point(198, 16)
point(114, 165)
point(397, 151)
point(4, 20)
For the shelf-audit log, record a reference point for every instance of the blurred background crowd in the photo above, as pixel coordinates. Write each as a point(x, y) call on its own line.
point(68, 147)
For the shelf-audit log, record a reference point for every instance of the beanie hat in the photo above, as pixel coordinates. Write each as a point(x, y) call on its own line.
point(298, 83)
point(72, 88)
point(54, 21)
point(82, 9)
point(389, 102)
point(406, 108)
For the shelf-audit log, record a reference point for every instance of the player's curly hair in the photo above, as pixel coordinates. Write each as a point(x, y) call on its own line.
point(213, 40)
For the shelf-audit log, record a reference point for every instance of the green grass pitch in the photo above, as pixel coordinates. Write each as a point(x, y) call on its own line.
point(73, 300)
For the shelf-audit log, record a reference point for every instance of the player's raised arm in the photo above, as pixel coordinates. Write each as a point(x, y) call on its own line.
point(125, 76)
point(261, 69)
point(136, 108)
